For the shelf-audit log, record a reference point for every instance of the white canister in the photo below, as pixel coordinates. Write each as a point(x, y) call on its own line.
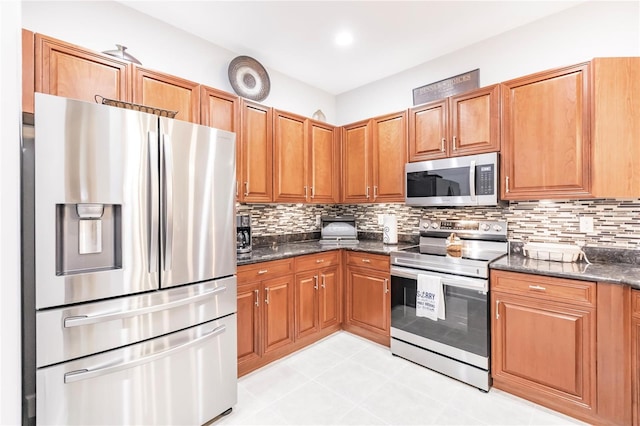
point(390, 229)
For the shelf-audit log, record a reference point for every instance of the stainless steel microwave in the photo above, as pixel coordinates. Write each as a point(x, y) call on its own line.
point(459, 181)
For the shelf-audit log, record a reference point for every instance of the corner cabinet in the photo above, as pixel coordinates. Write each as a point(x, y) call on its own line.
point(167, 92)
point(265, 313)
point(543, 338)
point(373, 158)
point(70, 71)
point(254, 164)
point(367, 298)
point(465, 124)
point(546, 144)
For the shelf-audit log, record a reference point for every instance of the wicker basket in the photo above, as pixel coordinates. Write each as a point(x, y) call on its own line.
point(135, 107)
point(552, 251)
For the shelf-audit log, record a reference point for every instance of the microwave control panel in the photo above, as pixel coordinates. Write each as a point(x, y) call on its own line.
point(485, 179)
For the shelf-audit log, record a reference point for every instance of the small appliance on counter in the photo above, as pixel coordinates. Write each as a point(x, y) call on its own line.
point(338, 230)
point(243, 233)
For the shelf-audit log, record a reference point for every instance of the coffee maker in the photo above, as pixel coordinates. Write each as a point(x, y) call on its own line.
point(243, 236)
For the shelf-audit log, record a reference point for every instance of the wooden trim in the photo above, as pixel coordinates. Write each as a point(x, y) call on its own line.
point(28, 70)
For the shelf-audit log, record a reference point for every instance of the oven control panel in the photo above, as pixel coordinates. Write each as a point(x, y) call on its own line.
point(480, 229)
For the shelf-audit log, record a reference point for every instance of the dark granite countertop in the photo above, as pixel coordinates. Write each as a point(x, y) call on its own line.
point(285, 250)
point(618, 273)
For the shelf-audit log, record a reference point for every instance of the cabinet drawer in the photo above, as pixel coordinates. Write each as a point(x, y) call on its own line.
point(314, 261)
point(368, 260)
point(635, 302)
point(548, 288)
point(264, 270)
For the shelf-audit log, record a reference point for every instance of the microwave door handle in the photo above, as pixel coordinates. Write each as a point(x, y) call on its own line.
point(472, 180)
point(152, 208)
point(168, 201)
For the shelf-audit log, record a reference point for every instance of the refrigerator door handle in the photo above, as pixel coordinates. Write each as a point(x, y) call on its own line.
point(75, 321)
point(168, 201)
point(77, 375)
point(152, 208)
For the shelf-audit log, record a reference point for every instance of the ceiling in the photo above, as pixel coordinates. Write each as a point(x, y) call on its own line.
point(295, 38)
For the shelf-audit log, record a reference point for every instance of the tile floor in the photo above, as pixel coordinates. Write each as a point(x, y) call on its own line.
point(346, 380)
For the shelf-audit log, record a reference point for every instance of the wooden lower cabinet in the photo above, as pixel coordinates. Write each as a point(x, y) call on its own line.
point(317, 293)
point(265, 313)
point(550, 347)
point(635, 355)
point(367, 298)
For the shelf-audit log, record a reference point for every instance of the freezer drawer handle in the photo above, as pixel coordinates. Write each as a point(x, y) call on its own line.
point(76, 321)
point(77, 375)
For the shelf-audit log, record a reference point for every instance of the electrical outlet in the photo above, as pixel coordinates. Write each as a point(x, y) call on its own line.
point(318, 220)
point(586, 224)
point(380, 219)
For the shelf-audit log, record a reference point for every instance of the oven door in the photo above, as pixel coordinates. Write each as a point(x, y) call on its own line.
point(463, 334)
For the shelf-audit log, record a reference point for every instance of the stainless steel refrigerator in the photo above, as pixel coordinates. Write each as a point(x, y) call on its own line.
point(133, 266)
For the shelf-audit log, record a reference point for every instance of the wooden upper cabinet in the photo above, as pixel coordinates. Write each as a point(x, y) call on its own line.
point(290, 154)
point(389, 157)
point(546, 135)
point(616, 127)
point(475, 121)
point(356, 162)
point(28, 71)
point(70, 71)
point(164, 91)
point(428, 131)
point(255, 164)
point(323, 163)
point(219, 109)
point(464, 124)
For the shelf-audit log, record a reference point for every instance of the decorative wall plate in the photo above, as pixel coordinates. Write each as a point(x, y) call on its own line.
point(249, 78)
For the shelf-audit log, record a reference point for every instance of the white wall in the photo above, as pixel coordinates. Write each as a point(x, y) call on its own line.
point(10, 107)
point(99, 25)
point(591, 29)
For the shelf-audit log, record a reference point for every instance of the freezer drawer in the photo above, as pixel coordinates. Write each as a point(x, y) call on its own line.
point(72, 332)
point(184, 378)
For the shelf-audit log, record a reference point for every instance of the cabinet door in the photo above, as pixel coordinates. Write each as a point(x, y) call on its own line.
point(66, 70)
point(329, 297)
point(389, 157)
point(428, 125)
point(356, 163)
point(278, 313)
point(546, 350)
point(546, 139)
point(324, 163)
point(616, 127)
point(290, 158)
point(257, 153)
point(248, 322)
point(306, 292)
point(635, 368)
point(475, 121)
point(219, 109)
point(368, 300)
point(167, 92)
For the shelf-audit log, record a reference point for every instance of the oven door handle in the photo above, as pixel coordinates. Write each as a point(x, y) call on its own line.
point(448, 280)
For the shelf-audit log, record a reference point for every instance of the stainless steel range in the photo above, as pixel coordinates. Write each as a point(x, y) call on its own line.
point(440, 298)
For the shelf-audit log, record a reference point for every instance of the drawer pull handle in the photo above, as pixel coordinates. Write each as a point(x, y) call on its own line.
point(386, 286)
point(497, 309)
point(537, 288)
point(319, 260)
point(315, 280)
point(324, 281)
point(262, 271)
point(266, 298)
point(257, 297)
point(366, 260)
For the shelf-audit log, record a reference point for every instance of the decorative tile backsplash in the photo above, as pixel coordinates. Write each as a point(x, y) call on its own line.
point(616, 223)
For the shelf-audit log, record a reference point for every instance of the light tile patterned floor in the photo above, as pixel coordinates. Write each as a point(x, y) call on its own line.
point(346, 380)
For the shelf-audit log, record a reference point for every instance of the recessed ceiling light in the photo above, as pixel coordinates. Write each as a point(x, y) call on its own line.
point(344, 38)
